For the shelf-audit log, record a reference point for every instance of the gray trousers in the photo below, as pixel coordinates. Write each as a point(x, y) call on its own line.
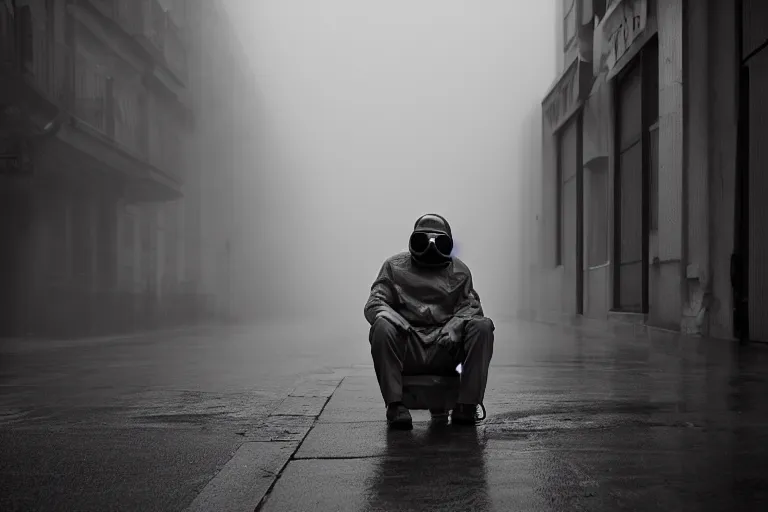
point(396, 353)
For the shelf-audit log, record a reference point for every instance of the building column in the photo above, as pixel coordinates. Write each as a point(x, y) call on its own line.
point(671, 214)
point(723, 70)
point(696, 135)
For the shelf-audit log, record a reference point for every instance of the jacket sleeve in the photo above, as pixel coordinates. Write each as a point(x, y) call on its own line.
point(470, 305)
point(382, 297)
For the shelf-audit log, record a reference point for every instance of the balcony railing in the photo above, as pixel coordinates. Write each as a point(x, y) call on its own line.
point(157, 25)
point(175, 53)
point(91, 100)
point(164, 141)
point(130, 15)
point(130, 115)
point(149, 19)
point(37, 62)
point(107, 7)
point(62, 75)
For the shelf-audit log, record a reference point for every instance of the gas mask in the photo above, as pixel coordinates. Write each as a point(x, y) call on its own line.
point(431, 242)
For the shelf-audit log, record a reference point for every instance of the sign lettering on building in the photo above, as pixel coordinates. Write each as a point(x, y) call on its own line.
point(623, 24)
point(563, 97)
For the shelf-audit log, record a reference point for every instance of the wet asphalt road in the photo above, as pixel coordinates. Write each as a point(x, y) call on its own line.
point(144, 423)
point(207, 419)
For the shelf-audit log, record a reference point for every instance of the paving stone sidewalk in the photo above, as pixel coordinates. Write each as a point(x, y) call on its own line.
point(672, 430)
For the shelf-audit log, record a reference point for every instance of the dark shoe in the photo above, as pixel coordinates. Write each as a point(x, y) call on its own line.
point(466, 414)
point(439, 415)
point(399, 417)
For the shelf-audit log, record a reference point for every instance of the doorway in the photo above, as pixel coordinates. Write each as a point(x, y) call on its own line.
point(749, 270)
point(570, 213)
point(637, 107)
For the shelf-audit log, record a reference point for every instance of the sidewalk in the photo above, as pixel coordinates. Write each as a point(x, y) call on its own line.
point(582, 422)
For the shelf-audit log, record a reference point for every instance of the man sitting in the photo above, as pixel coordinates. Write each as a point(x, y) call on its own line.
point(426, 318)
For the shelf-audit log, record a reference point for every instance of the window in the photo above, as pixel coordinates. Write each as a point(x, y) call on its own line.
point(566, 202)
point(570, 21)
point(653, 158)
point(559, 204)
point(26, 37)
point(82, 239)
point(599, 8)
point(651, 107)
point(58, 239)
point(90, 93)
point(128, 249)
point(106, 240)
point(636, 179)
point(598, 215)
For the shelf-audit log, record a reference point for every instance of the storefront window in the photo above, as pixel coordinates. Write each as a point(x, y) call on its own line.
point(567, 202)
point(598, 216)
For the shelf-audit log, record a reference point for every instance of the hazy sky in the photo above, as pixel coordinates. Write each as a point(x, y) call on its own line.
point(378, 112)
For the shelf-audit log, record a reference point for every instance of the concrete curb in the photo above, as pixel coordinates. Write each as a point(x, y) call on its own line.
point(247, 479)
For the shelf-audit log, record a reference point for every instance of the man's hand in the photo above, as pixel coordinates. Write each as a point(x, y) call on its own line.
point(448, 336)
point(396, 320)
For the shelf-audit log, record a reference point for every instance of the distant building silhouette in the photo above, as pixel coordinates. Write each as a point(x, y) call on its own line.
point(116, 122)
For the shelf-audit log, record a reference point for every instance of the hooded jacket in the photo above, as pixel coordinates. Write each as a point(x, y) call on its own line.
point(430, 300)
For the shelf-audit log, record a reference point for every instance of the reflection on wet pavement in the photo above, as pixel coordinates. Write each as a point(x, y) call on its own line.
point(443, 466)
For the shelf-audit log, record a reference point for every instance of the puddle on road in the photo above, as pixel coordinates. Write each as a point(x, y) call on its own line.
point(577, 417)
point(559, 421)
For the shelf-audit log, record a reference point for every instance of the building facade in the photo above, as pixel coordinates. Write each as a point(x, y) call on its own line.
point(652, 135)
point(104, 198)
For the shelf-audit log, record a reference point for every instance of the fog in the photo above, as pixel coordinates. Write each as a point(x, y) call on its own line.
point(372, 114)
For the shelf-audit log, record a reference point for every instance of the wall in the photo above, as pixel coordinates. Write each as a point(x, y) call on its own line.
point(711, 130)
point(559, 38)
point(598, 199)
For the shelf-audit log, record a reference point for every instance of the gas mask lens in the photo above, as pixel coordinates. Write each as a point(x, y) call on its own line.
point(444, 244)
point(420, 242)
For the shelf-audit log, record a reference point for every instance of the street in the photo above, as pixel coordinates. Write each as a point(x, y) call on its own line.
point(143, 423)
point(289, 418)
